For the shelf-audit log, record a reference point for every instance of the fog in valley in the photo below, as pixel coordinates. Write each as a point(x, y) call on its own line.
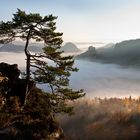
point(97, 79)
point(108, 80)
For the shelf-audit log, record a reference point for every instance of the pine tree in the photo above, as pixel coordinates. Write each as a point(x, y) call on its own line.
point(51, 67)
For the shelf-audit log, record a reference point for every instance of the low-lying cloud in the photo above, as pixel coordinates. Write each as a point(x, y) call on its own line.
point(98, 80)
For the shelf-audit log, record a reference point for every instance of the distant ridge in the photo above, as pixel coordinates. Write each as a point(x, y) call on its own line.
point(67, 48)
point(19, 48)
point(88, 43)
point(125, 53)
point(70, 47)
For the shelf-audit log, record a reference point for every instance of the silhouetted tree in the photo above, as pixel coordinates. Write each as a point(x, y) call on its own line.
point(56, 73)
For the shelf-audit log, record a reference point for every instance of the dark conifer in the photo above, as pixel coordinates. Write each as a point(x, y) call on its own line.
point(33, 26)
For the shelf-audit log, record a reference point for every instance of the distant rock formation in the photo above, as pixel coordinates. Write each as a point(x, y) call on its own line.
point(92, 49)
point(124, 53)
point(69, 48)
point(90, 53)
point(19, 48)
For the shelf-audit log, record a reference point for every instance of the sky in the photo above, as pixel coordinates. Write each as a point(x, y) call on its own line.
point(84, 20)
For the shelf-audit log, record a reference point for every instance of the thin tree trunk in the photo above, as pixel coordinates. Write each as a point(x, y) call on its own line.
point(27, 65)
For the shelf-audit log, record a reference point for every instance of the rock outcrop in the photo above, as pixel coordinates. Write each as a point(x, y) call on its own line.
point(14, 85)
point(10, 71)
point(34, 120)
point(90, 53)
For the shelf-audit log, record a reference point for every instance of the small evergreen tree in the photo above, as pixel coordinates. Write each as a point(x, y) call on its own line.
point(55, 72)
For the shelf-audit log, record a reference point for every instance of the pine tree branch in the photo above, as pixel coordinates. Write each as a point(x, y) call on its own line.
point(34, 66)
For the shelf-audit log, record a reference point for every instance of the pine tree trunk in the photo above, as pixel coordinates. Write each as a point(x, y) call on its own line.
point(27, 65)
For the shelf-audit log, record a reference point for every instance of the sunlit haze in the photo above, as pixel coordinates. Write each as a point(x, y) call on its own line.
point(85, 20)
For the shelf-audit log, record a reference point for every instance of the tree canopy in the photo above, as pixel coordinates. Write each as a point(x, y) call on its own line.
point(50, 67)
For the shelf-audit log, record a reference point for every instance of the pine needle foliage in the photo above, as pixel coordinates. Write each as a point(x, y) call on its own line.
point(50, 67)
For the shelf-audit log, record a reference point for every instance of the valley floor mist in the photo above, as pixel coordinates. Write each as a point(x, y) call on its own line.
point(97, 79)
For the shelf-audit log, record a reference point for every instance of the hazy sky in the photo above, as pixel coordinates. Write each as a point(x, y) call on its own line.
point(85, 20)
